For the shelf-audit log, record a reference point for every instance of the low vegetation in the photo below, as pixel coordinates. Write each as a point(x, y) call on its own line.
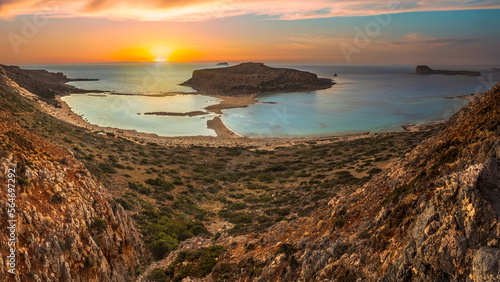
point(175, 193)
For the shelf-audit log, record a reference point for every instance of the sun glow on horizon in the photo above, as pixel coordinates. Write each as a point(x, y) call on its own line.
point(161, 53)
point(160, 60)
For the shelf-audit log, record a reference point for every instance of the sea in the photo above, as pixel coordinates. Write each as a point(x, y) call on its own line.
point(364, 99)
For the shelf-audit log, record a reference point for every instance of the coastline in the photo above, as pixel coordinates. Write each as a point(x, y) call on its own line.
point(422, 126)
point(469, 97)
point(225, 136)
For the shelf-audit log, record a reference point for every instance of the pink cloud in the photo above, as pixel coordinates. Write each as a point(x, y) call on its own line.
point(200, 10)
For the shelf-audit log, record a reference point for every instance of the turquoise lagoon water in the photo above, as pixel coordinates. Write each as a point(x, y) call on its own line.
point(127, 112)
point(365, 99)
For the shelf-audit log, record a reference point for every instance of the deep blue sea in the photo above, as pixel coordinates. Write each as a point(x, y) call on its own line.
point(364, 99)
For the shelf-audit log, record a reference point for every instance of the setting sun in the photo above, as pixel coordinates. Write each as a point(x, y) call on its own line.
point(160, 53)
point(160, 60)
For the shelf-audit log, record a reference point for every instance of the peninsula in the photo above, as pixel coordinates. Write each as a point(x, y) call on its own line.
point(254, 78)
point(425, 70)
point(46, 85)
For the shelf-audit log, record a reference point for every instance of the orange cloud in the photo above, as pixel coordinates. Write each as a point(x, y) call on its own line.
point(200, 10)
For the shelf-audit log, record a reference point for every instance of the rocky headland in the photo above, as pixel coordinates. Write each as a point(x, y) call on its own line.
point(254, 78)
point(425, 70)
point(46, 85)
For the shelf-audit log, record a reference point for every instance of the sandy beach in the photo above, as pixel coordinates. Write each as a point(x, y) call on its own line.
point(232, 102)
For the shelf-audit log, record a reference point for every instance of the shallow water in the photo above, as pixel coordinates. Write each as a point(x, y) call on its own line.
point(127, 112)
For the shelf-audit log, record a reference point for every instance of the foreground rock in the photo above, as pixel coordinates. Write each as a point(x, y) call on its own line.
point(254, 78)
point(67, 228)
point(425, 70)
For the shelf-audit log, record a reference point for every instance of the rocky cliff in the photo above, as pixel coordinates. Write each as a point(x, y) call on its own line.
point(435, 216)
point(425, 70)
point(254, 78)
point(67, 228)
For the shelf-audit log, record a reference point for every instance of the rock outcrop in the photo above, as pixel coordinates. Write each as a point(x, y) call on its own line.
point(67, 228)
point(254, 78)
point(425, 70)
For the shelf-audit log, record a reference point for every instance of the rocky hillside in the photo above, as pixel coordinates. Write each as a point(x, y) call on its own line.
point(42, 83)
point(433, 217)
point(66, 228)
point(254, 78)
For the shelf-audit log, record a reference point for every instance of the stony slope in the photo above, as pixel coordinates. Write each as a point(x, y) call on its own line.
point(433, 217)
point(254, 78)
point(68, 229)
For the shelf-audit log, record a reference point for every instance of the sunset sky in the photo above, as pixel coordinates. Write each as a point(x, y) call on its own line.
point(313, 31)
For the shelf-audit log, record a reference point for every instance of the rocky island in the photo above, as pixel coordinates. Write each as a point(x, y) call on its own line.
point(425, 70)
point(254, 78)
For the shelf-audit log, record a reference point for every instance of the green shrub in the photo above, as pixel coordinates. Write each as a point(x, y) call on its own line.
point(287, 249)
point(125, 204)
point(236, 217)
point(160, 183)
point(88, 262)
point(338, 222)
point(236, 206)
point(158, 275)
point(98, 225)
point(106, 168)
point(139, 188)
point(198, 263)
point(162, 246)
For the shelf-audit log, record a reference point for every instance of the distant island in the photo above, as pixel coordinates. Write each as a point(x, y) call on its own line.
point(425, 70)
point(254, 78)
point(222, 64)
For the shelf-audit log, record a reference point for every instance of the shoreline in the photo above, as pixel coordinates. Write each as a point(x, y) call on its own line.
point(469, 97)
point(225, 138)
